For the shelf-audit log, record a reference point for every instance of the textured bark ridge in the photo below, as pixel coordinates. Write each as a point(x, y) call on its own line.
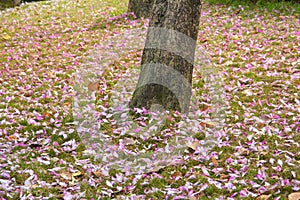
point(168, 56)
point(141, 8)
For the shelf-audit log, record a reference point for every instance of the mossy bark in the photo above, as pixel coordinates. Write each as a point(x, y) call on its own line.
point(141, 8)
point(168, 56)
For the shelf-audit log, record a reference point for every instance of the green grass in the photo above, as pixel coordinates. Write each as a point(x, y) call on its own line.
point(287, 7)
point(4, 4)
point(52, 61)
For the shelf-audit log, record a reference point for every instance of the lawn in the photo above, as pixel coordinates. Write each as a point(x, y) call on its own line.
point(254, 51)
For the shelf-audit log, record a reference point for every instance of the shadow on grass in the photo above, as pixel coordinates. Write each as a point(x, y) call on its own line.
point(4, 4)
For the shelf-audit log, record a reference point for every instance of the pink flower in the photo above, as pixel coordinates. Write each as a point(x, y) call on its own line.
point(261, 175)
point(243, 193)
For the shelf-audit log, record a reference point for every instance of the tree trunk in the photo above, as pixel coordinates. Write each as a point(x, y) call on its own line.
point(141, 8)
point(17, 2)
point(168, 57)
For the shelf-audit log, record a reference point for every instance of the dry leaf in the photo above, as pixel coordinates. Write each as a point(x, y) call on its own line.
point(242, 151)
point(93, 86)
point(11, 138)
point(282, 17)
point(193, 145)
point(176, 174)
point(155, 169)
point(47, 114)
point(264, 153)
point(224, 176)
point(214, 161)
point(294, 196)
point(77, 174)
point(205, 106)
point(67, 104)
point(264, 197)
point(208, 124)
point(51, 74)
point(66, 175)
point(6, 37)
point(97, 174)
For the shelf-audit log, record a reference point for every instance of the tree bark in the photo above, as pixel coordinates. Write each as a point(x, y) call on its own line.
point(17, 2)
point(168, 56)
point(141, 8)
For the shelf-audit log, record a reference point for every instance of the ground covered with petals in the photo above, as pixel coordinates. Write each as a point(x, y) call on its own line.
point(256, 53)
